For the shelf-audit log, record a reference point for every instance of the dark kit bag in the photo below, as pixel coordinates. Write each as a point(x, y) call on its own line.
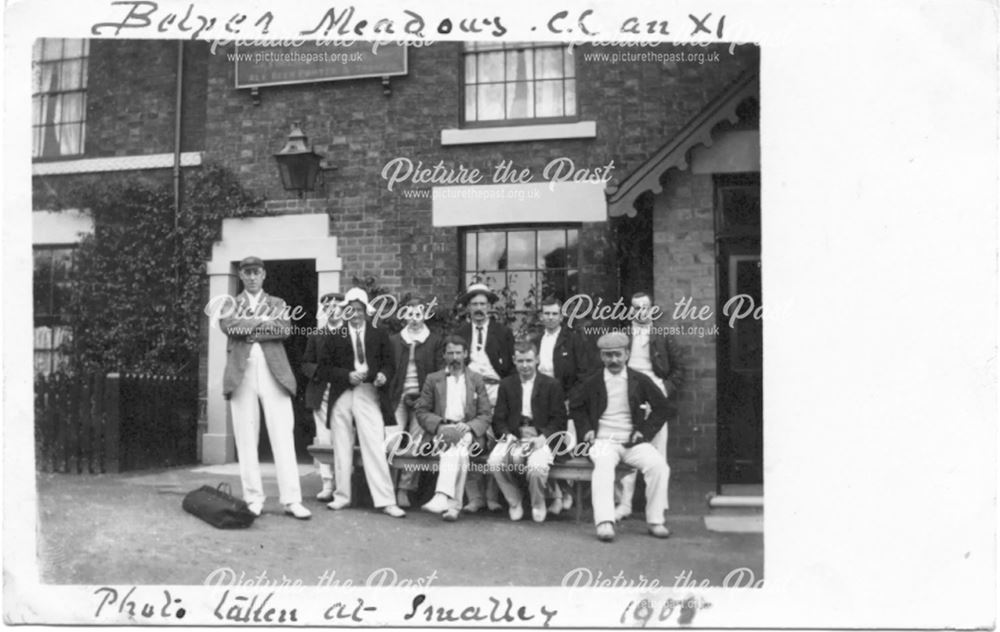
point(218, 507)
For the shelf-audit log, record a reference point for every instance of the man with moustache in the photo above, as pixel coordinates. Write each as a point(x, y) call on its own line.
point(329, 320)
point(258, 375)
point(360, 358)
point(530, 409)
point(491, 348)
point(417, 352)
point(618, 410)
point(454, 412)
point(652, 353)
point(564, 355)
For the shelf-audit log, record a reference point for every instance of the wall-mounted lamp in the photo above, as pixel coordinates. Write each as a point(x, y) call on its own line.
point(298, 165)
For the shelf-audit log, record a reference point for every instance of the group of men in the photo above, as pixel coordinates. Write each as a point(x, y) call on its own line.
point(524, 404)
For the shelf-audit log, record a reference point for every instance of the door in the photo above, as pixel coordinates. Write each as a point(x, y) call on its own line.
point(740, 434)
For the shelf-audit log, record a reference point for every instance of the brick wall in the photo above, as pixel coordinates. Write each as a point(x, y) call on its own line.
point(383, 234)
point(684, 265)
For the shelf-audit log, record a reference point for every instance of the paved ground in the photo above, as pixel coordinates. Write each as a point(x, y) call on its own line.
point(130, 529)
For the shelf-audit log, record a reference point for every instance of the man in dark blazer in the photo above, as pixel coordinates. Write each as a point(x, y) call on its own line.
point(566, 356)
point(653, 353)
point(258, 374)
point(357, 364)
point(417, 352)
point(491, 351)
point(530, 410)
point(329, 320)
point(454, 412)
point(617, 411)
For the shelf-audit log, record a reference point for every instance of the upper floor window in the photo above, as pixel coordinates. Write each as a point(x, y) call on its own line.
point(59, 96)
point(518, 82)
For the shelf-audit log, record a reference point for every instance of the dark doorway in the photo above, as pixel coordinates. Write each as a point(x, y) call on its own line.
point(294, 281)
point(740, 346)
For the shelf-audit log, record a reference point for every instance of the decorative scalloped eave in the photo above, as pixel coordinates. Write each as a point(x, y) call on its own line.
point(621, 200)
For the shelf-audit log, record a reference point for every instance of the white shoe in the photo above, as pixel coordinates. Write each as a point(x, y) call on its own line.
point(298, 511)
point(338, 503)
point(256, 508)
point(567, 501)
point(556, 506)
point(438, 504)
point(326, 495)
point(515, 512)
point(394, 511)
point(538, 514)
point(622, 512)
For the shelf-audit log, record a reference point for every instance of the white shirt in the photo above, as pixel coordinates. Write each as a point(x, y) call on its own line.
point(454, 408)
point(478, 360)
point(616, 420)
point(526, 390)
point(254, 300)
point(360, 364)
point(639, 358)
point(546, 351)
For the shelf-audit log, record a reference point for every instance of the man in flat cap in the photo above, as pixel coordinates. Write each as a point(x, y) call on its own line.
point(653, 353)
point(358, 365)
point(329, 320)
point(491, 353)
point(258, 374)
point(618, 411)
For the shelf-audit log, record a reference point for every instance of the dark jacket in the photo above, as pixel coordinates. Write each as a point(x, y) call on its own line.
point(548, 406)
point(666, 361)
point(319, 345)
point(335, 360)
point(241, 332)
point(429, 358)
point(499, 345)
point(591, 399)
point(573, 359)
point(433, 401)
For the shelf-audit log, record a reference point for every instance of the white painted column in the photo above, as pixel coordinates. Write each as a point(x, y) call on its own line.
point(218, 445)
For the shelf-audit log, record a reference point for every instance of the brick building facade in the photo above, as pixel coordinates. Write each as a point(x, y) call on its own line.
point(682, 137)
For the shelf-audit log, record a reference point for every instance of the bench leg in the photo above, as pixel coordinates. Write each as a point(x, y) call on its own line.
point(578, 496)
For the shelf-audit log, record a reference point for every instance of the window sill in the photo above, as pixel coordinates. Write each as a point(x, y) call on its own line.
point(518, 133)
point(115, 163)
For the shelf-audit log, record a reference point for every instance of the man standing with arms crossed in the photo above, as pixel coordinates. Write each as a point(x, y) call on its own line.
point(258, 374)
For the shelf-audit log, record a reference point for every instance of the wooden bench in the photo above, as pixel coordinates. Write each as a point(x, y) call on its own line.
point(577, 469)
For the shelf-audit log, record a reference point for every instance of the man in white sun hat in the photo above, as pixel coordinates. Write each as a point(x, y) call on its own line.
point(358, 364)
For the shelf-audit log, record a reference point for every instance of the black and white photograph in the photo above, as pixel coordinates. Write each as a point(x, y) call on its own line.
point(456, 317)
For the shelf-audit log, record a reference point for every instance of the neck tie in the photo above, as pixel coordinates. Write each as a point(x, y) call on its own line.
point(359, 349)
point(479, 337)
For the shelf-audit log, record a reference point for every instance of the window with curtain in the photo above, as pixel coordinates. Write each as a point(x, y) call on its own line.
point(518, 82)
point(53, 276)
point(535, 262)
point(59, 96)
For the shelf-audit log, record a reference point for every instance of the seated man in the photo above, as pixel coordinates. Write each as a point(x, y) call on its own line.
point(618, 411)
point(529, 410)
point(454, 411)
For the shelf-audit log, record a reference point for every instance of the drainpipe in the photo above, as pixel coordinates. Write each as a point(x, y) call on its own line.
point(178, 117)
